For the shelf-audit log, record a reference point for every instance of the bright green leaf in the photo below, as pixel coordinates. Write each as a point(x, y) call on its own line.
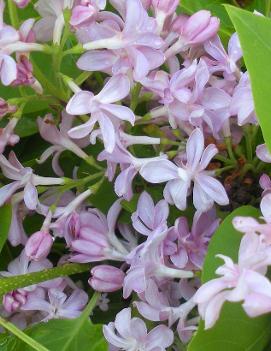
point(5, 220)
point(68, 335)
point(234, 331)
point(255, 36)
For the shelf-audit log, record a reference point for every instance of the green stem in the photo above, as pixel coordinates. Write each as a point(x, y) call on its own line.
point(78, 49)
point(29, 98)
point(224, 160)
point(134, 96)
point(90, 306)
point(21, 281)
point(268, 8)
point(82, 77)
point(90, 160)
point(229, 149)
point(224, 169)
point(47, 84)
point(247, 167)
point(248, 139)
point(12, 9)
point(21, 335)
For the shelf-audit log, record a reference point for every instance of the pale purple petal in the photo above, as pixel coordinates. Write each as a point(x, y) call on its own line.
point(80, 103)
point(159, 171)
point(116, 89)
point(30, 196)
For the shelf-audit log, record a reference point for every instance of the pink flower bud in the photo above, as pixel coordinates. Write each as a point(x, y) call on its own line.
point(14, 300)
point(39, 245)
point(21, 3)
point(24, 72)
point(106, 278)
point(200, 27)
point(166, 6)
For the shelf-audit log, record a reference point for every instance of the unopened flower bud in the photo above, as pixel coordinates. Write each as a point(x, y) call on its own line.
point(200, 27)
point(106, 278)
point(166, 6)
point(39, 245)
point(14, 300)
point(21, 3)
point(24, 72)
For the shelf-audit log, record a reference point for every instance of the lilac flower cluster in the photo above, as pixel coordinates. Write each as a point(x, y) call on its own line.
point(170, 115)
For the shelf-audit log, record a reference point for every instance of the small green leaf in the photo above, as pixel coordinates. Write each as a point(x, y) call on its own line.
point(255, 37)
point(5, 221)
point(234, 331)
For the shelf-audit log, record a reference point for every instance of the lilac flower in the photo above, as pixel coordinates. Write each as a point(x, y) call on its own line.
point(163, 9)
point(129, 333)
point(129, 165)
point(8, 35)
point(242, 104)
point(59, 305)
point(207, 189)
point(187, 98)
point(157, 306)
point(7, 136)
point(15, 300)
point(38, 245)
point(24, 72)
point(86, 11)
point(103, 302)
point(95, 238)
point(106, 278)
point(196, 30)
point(102, 110)
point(16, 234)
point(60, 140)
point(263, 153)
point(236, 281)
point(147, 262)
point(192, 245)
point(149, 217)
point(23, 178)
point(134, 47)
point(52, 20)
point(224, 62)
point(12, 41)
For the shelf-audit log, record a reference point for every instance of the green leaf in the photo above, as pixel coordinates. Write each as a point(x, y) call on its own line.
point(234, 330)
point(216, 8)
point(67, 335)
point(5, 220)
point(255, 37)
point(70, 335)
